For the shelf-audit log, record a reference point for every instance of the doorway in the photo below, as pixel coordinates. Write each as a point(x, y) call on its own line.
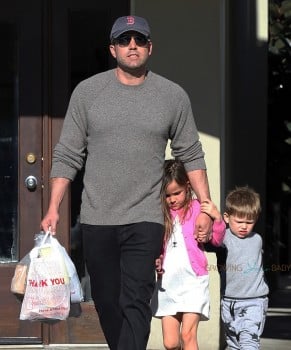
point(48, 46)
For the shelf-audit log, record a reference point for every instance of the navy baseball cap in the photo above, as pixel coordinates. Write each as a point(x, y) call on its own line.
point(130, 23)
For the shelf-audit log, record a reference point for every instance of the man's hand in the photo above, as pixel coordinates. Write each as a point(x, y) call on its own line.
point(50, 221)
point(59, 186)
point(199, 182)
point(203, 228)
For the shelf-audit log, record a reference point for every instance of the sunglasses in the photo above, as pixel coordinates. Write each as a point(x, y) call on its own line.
point(125, 39)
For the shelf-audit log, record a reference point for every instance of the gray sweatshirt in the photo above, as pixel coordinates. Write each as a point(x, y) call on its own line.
point(119, 133)
point(244, 266)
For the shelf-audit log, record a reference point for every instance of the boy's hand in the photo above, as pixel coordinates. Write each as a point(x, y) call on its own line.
point(209, 208)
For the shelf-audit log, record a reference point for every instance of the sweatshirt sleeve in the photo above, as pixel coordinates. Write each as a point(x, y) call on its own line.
point(218, 232)
point(69, 153)
point(184, 136)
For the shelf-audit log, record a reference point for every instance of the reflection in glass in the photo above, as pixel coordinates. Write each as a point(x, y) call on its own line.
point(8, 142)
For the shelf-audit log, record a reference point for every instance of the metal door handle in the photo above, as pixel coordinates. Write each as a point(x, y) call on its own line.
point(31, 182)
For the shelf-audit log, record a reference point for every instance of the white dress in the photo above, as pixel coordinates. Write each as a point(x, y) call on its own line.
point(180, 289)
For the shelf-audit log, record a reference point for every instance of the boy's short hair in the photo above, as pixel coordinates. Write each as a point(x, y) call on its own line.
point(243, 202)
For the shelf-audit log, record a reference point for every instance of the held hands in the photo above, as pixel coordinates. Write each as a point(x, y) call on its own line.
point(209, 208)
point(203, 228)
point(209, 212)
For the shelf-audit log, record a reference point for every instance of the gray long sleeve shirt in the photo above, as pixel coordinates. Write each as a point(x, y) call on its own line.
point(244, 266)
point(122, 132)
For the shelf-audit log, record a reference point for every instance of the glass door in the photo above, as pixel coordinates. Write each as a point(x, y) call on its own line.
point(47, 47)
point(20, 153)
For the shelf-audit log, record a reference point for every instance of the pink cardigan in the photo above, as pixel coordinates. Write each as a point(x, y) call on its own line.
point(195, 250)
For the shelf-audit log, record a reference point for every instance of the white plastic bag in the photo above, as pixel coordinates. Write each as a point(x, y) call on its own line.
point(47, 294)
point(75, 285)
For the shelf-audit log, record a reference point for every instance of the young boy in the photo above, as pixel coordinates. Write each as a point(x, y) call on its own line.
point(245, 300)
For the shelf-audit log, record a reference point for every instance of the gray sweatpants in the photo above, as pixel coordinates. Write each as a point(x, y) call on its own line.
point(244, 321)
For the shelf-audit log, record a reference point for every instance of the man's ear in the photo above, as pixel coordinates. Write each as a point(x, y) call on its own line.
point(112, 50)
point(150, 48)
point(226, 217)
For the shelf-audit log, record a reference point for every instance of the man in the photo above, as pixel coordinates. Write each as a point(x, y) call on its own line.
point(120, 121)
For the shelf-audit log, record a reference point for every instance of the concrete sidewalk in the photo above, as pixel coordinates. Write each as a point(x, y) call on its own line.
point(276, 336)
point(277, 332)
point(275, 344)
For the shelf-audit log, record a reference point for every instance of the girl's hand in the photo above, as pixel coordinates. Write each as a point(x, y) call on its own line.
point(159, 265)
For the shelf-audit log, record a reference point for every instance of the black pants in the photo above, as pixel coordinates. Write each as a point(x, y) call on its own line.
point(121, 264)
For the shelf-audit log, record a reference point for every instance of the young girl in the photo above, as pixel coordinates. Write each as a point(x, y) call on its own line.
point(181, 297)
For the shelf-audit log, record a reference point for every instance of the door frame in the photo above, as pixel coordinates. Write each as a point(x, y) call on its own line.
point(41, 126)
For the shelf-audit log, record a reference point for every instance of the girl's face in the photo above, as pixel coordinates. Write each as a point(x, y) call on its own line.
point(176, 195)
point(240, 227)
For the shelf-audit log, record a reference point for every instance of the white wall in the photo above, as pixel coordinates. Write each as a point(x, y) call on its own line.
point(187, 44)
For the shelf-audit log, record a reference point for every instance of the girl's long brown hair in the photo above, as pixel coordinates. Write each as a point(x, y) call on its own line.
point(174, 170)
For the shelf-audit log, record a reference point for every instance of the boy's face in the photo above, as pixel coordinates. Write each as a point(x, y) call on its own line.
point(239, 226)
